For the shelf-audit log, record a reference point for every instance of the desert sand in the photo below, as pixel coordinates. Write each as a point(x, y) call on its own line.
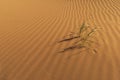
point(30, 28)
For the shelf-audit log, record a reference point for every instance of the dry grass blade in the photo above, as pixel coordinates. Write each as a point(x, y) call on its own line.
point(68, 48)
point(68, 39)
point(82, 27)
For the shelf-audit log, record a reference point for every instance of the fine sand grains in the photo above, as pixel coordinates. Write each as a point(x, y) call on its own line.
point(28, 51)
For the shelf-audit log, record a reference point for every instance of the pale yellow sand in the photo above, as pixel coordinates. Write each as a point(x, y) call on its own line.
point(28, 30)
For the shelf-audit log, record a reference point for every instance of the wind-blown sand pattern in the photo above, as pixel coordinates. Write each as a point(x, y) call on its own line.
point(29, 30)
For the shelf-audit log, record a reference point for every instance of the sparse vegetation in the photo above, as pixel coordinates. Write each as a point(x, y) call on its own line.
point(82, 38)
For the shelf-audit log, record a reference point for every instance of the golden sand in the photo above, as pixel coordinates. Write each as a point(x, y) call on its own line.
point(28, 30)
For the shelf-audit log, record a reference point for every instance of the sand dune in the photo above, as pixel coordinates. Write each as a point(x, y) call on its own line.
point(29, 31)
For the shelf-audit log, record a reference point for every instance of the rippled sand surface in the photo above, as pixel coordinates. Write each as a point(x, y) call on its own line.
point(29, 30)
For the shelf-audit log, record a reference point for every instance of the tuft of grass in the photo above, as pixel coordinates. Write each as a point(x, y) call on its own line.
point(83, 38)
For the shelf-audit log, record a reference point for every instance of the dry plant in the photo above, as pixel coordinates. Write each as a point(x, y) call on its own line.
point(82, 38)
